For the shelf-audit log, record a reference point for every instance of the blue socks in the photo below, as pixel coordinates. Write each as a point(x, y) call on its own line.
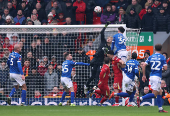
point(123, 94)
point(12, 92)
point(159, 101)
point(147, 96)
point(23, 95)
point(72, 97)
point(132, 96)
point(63, 96)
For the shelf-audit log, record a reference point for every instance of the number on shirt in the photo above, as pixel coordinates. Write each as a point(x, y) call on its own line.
point(155, 65)
point(129, 68)
point(65, 68)
point(121, 40)
point(11, 62)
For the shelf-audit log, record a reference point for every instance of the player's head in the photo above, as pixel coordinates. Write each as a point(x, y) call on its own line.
point(121, 29)
point(158, 47)
point(109, 39)
point(134, 55)
point(17, 48)
point(110, 54)
point(106, 60)
point(68, 56)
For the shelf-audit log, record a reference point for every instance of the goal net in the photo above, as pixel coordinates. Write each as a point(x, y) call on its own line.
point(42, 53)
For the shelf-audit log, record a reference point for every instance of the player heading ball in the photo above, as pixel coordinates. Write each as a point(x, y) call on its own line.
point(120, 42)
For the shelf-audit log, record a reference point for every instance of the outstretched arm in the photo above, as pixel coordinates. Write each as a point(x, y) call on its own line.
point(102, 32)
point(82, 63)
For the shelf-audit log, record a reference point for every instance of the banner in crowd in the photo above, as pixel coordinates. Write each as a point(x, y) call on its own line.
point(140, 43)
point(78, 101)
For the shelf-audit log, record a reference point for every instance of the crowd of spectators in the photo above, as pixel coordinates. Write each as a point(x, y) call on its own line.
point(149, 15)
point(42, 54)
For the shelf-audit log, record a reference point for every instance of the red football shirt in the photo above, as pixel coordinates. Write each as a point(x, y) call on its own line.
point(115, 65)
point(104, 75)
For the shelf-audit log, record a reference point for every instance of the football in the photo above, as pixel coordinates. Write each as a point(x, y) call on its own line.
point(97, 9)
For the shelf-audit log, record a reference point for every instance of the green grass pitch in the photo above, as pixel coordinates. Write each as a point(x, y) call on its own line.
point(81, 111)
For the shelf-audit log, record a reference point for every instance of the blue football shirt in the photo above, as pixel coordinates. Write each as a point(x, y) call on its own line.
point(156, 61)
point(131, 68)
point(14, 63)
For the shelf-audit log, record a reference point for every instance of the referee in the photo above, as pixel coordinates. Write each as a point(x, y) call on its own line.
point(97, 61)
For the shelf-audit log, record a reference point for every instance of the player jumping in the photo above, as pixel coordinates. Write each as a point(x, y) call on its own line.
point(131, 69)
point(103, 82)
point(116, 65)
point(16, 74)
point(97, 61)
point(119, 42)
point(157, 61)
point(67, 66)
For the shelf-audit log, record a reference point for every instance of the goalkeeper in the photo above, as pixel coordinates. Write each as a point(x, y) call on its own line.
point(97, 61)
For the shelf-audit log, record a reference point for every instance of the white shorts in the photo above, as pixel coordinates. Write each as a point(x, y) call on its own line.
point(122, 54)
point(129, 84)
point(155, 83)
point(66, 82)
point(16, 79)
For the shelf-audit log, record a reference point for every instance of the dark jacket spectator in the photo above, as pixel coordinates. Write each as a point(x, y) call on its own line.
point(3, 4)
point(50, 5)
point(25, 9)
point(39, 1)
point(135, 5)
point(4, 73)
point(166, 75)
point(41, 12)
point(166, 7)
point(133, 20)
point(121, 17)
point(1, 19)
point(156, 6)
point(61, 20)
point(6, 13)
point(90, 5)
point(122, 4)
point(12, 10)
point(15, 4)
point(147, 72)
point(161, 22)
point(19, 18)
point(50, 78)
point(69, 11)
point(108, 15)
point(80, 7)
point(143, 11)
point(147, 20)
point(34, 81)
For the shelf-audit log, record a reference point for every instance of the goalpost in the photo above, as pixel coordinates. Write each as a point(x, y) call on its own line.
point(43, 47)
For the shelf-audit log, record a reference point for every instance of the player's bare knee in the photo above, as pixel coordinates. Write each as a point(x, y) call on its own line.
point(71, 89)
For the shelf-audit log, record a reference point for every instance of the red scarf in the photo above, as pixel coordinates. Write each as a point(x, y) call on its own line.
point(25, 70)
point(49, 21)
point(156, 5)
point(120, 17)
